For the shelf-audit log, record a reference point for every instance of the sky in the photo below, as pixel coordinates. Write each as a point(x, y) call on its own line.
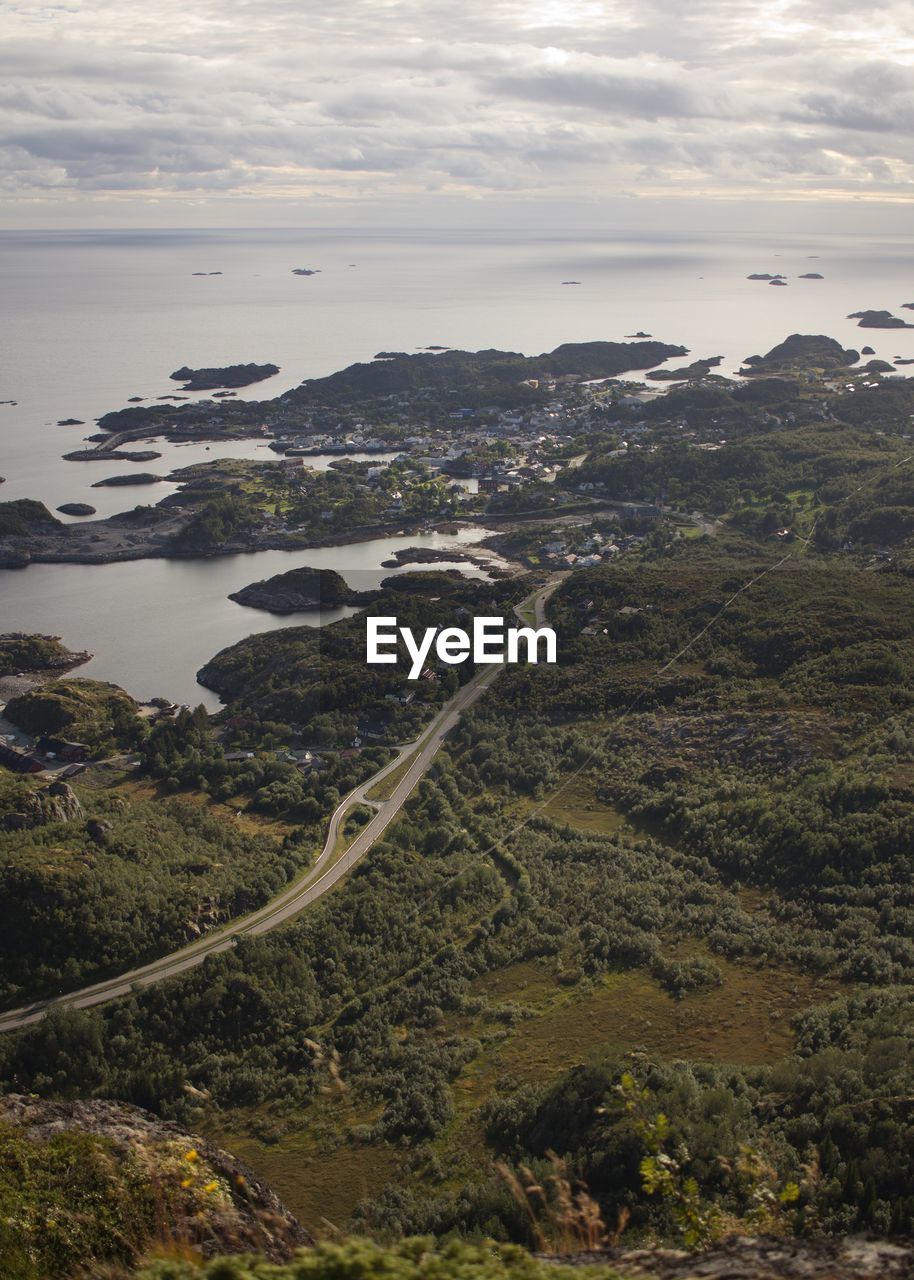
point(408, 112)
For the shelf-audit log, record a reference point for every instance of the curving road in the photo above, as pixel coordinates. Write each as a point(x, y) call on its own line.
point(320, 877)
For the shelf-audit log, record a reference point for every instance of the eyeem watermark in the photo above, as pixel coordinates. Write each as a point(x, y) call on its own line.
point(491, 641)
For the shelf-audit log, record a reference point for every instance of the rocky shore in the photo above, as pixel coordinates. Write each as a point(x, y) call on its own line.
point(122, 537)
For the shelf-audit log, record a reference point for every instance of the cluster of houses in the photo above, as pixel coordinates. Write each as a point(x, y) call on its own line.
point(598, 548)
point(48, 753)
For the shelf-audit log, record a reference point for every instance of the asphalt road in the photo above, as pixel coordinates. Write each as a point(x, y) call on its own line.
point(321, 876)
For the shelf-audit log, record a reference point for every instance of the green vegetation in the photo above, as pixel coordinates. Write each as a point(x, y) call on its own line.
point(21, 652)
point(218, 521)
point(25, 515)
point(90, 711)
point(650, 909)
point(318, 678)
point(479, 377)
point(97, 886)
point(414, 1259)
point(766, 757)
point(67, 1200)
point(92, 1193)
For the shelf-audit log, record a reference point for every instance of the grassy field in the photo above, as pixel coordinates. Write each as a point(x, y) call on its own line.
point(318, 1169)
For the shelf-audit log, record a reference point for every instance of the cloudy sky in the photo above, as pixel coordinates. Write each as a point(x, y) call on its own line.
point(247, 112)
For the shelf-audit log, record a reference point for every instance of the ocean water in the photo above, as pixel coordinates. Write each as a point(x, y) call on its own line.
point(90, 319)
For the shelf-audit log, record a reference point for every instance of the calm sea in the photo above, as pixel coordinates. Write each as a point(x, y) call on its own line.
point(90, 319)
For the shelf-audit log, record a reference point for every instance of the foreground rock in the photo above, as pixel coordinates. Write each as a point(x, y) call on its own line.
point(233, 375)
point(759, 1258)
point(92, 1154)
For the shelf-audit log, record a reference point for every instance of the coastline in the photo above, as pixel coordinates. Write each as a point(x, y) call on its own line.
point(35, 549)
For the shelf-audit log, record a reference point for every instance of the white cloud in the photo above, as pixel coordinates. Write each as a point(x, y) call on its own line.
point(382, 100)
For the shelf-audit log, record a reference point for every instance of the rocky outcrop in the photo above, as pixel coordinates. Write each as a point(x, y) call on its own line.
point(811, 275)
point(764, 275)
point(99, 831)
point(233, 375)
point(54, 803)
point(240, 1212)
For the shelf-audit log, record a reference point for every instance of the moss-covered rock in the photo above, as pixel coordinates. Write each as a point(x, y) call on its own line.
point(88, 1184)
point(90, 711)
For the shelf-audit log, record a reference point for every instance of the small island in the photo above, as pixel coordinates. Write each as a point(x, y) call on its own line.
point(298, 590)
point(76, 509)
point(112, 455)
point(134, 477)
point(233, 375)
point(878, 320)
point(305, 271)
